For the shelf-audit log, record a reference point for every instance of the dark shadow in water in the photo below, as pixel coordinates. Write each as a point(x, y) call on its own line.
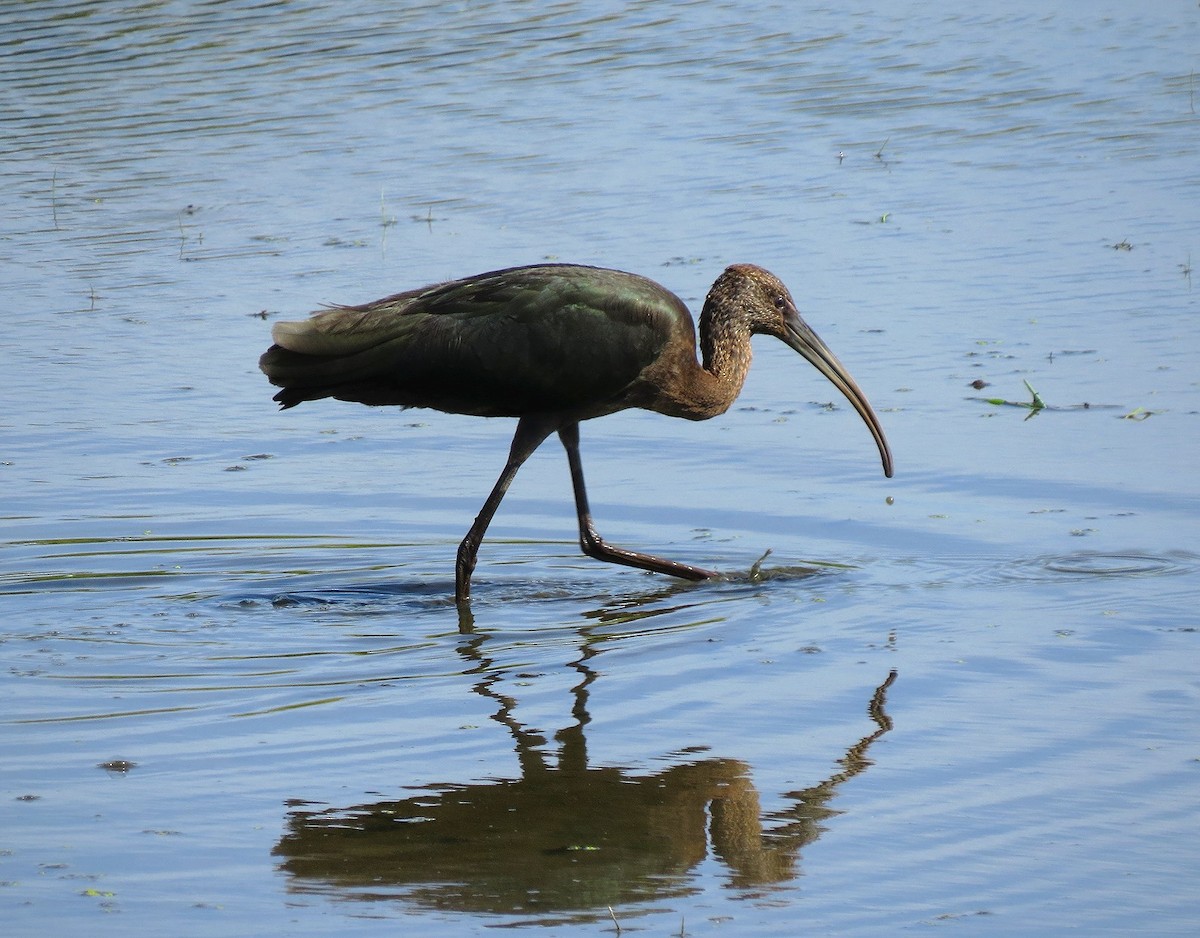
point(564, 839)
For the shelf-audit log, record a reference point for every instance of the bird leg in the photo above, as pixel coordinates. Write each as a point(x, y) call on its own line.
point(531, 433)
point(592, 544)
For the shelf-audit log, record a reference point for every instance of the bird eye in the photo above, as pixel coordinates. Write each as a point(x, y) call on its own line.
point(780, 302)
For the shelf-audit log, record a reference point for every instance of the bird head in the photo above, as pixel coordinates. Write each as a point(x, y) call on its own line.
point(764, 306)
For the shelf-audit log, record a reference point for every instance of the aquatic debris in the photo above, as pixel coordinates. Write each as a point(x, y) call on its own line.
point(1036, 404)
point(117, 766)
point(756, 567)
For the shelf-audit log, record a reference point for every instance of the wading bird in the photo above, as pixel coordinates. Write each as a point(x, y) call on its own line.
point(553, 345)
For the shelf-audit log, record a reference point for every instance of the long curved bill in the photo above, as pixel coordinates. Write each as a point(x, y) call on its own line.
point(800, 336)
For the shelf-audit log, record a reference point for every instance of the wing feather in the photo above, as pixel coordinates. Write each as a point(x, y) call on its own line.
point(549, 338)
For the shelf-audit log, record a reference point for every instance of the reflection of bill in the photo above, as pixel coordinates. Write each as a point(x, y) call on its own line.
point(563, 837)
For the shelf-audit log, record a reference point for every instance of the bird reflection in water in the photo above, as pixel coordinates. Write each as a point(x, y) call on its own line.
point(565, 838)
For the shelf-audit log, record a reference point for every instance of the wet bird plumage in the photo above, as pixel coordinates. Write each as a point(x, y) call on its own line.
point(551, 344)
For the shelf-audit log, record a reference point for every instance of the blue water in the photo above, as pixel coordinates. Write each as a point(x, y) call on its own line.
point(238, 698)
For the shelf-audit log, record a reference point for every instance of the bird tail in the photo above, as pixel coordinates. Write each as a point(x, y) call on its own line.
point(340, 352)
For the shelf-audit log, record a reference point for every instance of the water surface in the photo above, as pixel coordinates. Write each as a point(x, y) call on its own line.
point(238, 698)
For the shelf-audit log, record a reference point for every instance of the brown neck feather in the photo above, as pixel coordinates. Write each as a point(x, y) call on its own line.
point(698, 391)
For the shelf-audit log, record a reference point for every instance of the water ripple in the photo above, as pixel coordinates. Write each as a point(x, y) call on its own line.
point(1100, 564)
